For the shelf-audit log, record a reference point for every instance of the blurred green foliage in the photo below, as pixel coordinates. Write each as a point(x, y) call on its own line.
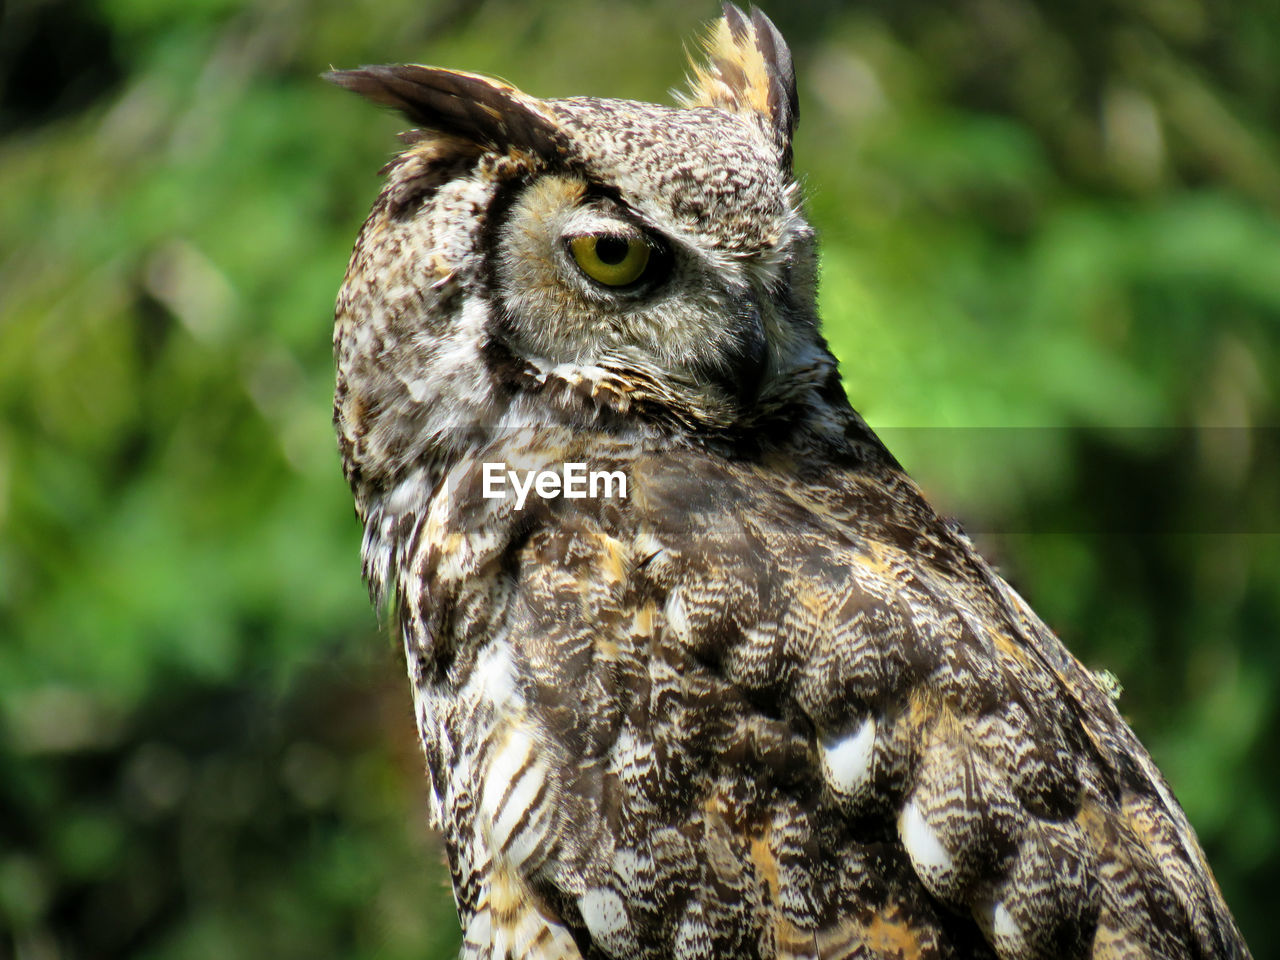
point(1051, 272)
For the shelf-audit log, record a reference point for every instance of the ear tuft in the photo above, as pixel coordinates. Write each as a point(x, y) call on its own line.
point(487, 112)
point(748, 71)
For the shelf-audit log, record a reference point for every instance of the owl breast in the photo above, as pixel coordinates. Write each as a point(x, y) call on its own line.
point(704, 722)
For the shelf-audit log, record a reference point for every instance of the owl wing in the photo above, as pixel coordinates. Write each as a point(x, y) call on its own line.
point(778, 717)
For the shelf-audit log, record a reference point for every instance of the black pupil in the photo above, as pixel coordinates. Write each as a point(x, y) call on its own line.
point(612, 250)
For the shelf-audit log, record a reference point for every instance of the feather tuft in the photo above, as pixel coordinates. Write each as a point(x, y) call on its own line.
point(488, 112)
point(748, 71)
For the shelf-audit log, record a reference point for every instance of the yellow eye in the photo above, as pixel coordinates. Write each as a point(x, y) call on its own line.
point(613, 261)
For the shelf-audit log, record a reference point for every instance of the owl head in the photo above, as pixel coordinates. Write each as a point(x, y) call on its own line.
point(604, 264)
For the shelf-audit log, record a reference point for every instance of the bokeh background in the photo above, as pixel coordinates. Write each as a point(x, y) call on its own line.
point(1052, 275)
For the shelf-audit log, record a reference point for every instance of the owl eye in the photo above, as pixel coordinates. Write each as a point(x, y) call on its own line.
point(612, 260)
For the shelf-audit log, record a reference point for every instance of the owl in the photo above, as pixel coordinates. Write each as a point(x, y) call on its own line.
point(748, 696)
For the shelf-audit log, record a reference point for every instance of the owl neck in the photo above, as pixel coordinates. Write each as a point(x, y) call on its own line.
point(571, 413)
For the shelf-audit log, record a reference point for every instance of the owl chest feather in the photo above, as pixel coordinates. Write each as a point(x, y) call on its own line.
point(659, 732)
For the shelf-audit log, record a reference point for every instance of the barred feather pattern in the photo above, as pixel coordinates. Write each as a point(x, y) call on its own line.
point(753, 715)
point(770, 704)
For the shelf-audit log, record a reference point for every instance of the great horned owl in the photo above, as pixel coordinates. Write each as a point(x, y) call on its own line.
point(768, 704)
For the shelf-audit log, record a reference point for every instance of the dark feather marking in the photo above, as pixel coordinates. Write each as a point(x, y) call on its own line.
point(736, 20)
point(405, 196)
point(486, 112)
point(782, 73)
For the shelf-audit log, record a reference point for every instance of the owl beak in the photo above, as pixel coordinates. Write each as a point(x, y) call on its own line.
point(739, 369)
